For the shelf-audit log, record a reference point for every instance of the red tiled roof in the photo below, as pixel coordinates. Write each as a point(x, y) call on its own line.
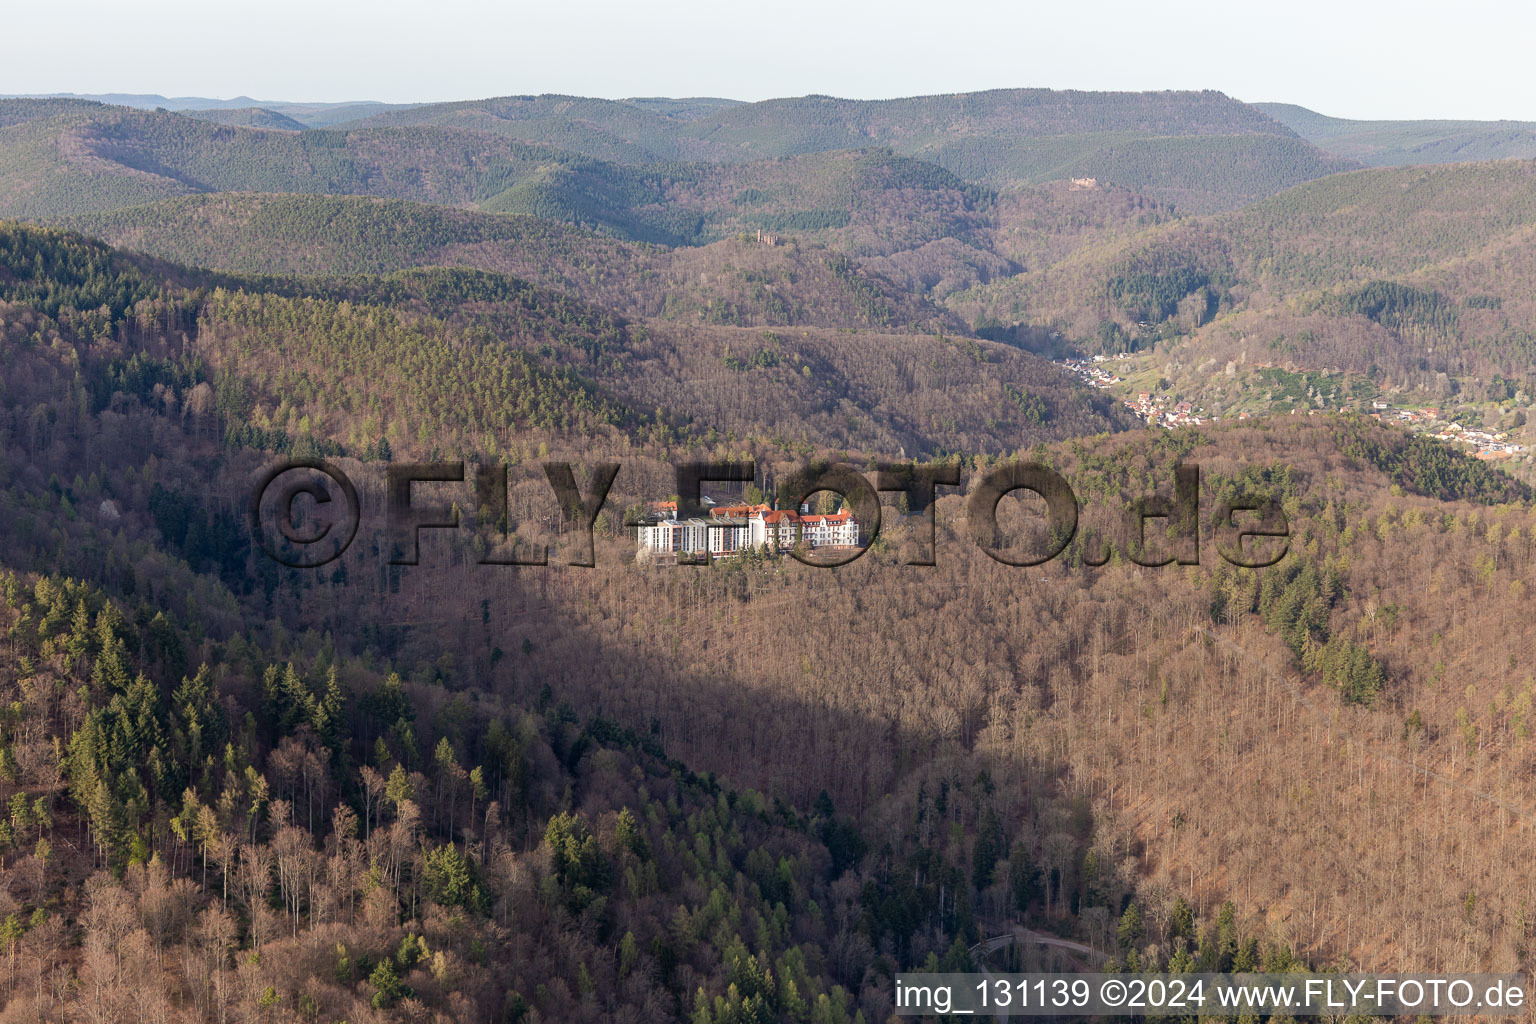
point(740, 510)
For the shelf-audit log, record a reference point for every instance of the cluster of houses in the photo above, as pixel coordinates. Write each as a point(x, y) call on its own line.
point(1157, 411)
point(730, 529)
point(1093, 373)
point(1489, 445)
point(1161, 411)
point(1381, 411)
point(1485, 444)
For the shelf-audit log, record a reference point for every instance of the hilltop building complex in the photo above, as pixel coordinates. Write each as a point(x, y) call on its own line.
point(733, 528)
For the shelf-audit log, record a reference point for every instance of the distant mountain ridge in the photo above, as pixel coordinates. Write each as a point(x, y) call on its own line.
point(145, 101)
point(249, 117)
point(1198, 151)
point(308, 115)
point(1396, 143)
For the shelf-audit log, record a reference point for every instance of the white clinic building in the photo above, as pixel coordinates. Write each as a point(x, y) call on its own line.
point(732, 528)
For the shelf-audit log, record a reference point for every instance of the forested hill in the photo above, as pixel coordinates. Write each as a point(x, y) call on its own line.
point(682, 108)
point(249, 117)
point(90, 158)
point(17, 111)
point(275, 233)
point(736, 281)
point(712, 359)
point(1383, 143)
point(1176, 146)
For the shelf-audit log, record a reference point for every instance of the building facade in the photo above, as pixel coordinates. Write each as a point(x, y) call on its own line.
point(733, 528)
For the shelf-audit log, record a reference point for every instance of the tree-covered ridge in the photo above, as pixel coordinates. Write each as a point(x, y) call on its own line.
point(348, 364)
point(262, 233)
point(54, 270)
point(1202, 149)
point(940, 237)
point(606, 129)
point(1422, 466)
point(385, 374)
point(1384, 143)
point(324, 806)
point(303, 836)
point(1057, 111)
point(19, 110)
point(1195, 173)
point(249, 117)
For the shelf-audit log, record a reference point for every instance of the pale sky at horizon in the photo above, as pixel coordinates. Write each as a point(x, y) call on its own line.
point(1406, 60)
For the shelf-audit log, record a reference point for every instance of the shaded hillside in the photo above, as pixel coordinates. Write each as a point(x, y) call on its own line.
point(1384, 143)
point(868, 201)
point(923, 707)
point(919, 396)
point(432, 843)
point(1170, 765)
point(445, 845)
point(744, 282)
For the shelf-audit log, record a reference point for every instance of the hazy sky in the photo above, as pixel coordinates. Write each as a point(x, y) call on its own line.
point(1404, 59)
